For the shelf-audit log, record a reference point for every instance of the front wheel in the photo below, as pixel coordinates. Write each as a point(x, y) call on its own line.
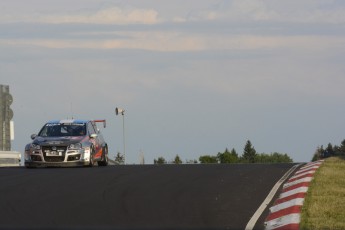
point(92, 154)
point(104, 161)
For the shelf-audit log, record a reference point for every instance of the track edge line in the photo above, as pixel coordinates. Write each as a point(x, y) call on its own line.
point(265, 203)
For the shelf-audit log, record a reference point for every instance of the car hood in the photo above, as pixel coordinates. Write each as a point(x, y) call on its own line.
point(57, 140)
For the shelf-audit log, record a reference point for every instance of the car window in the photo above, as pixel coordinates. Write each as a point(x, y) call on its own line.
point(95, 127)
point(91, 128)
point(65, 129)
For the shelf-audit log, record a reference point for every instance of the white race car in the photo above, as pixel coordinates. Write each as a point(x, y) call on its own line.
point(67, 143)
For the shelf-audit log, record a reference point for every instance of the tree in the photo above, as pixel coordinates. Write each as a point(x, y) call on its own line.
point(328, 151)
point(280, 158)
point(318, 153)
point(207, 159)
point(322, 151)
point(119, 159)
point(159, 161)
point(249, 153)
point(273, 158)
point(177, 160)
point(336, 150)
point(191, 161)
point(234, 153)
point(263, 158)
point(342, 148)
point(228, 157)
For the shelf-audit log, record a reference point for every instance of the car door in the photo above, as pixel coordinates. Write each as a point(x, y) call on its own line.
point(95, 140)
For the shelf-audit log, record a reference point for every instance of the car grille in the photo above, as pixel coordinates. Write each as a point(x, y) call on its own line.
point(54, 159)
point(36, 158)
point(61, 149)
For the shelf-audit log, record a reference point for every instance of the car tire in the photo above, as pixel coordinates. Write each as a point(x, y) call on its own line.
point(30, 167)
point(92, 154)
point(104, 160)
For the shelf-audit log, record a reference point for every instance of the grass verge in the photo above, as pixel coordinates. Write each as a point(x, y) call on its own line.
point(324, 205)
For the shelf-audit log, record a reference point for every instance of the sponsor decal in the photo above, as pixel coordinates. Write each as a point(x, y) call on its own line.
point(99, 153)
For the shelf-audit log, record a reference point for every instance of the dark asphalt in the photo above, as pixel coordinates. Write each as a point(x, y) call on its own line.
point(136, 197)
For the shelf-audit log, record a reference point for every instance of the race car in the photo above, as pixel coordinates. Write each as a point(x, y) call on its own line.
point(67, 143)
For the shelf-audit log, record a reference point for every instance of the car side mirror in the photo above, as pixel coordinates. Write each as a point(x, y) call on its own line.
point(94, 135)
point(33, 136)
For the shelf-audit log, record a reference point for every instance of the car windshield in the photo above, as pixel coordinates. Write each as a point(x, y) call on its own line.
point(62, 129)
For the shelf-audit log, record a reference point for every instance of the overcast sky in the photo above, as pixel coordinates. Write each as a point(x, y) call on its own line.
point(195, 77)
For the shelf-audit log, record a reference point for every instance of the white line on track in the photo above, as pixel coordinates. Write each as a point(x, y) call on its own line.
point(268, 199)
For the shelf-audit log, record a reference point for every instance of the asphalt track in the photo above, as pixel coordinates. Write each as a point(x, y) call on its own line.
point(219, 196)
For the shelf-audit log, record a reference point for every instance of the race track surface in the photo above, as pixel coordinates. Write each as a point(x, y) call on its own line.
point(197, 196)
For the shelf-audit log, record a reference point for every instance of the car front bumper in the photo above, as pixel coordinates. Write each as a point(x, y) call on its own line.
point(67, 158)
point(35, 164)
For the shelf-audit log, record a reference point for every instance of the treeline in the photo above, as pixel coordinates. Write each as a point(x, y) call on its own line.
point(232, 157)
point(329, 151)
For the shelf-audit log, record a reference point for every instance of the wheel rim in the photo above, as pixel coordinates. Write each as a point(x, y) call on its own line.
point(91, 158)
point(106, 155)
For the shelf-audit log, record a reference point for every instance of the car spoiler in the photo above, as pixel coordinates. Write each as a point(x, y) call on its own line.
point(104, 122)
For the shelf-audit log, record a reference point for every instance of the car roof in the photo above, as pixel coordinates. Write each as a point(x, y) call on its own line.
point(70, 121)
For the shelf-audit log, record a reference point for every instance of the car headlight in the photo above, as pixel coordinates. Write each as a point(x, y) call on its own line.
point(75, 146)
point(36, 147)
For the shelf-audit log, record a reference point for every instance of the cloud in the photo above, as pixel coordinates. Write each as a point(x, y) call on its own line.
point(111, 15)
point(308, 11)
point(292, 11)
point(178, 42)
point(114, 15)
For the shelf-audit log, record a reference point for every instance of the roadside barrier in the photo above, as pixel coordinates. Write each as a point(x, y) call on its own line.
point(286, 211)
point(9, 158)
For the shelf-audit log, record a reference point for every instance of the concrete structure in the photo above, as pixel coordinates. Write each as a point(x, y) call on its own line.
point(9, 158)
point(6, 115)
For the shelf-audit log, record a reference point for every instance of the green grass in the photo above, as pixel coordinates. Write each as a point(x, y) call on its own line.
point(324, 205)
